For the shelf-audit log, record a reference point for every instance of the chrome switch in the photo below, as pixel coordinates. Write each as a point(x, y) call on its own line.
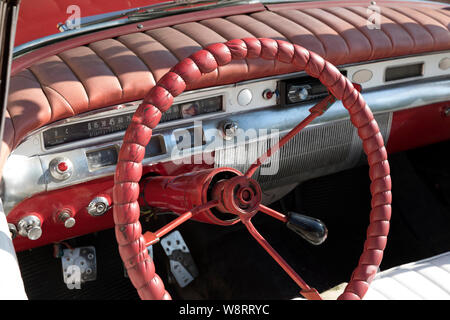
point(98, 206)
point(66, 217)
point(30, 227)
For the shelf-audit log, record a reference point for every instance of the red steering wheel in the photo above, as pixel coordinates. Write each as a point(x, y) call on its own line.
point(237, 193)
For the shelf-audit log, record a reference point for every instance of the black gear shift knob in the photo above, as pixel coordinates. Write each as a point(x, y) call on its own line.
point(311, 229)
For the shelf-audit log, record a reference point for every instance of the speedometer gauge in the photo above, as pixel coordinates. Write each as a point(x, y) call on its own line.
point(99, 127)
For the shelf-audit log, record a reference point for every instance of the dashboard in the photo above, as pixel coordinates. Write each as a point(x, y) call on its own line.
point(61, 173)
point(199, 120)
point(220, 126)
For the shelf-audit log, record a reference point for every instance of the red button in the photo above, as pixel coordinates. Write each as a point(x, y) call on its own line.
point(268, 94)
point(62, 166)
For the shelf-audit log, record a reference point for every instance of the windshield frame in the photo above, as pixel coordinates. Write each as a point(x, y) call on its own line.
point(9, 12)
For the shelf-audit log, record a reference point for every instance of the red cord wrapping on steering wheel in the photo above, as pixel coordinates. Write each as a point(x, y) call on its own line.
point(128, 230)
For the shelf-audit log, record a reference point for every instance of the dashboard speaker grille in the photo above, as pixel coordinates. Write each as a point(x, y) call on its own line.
point(316, 151)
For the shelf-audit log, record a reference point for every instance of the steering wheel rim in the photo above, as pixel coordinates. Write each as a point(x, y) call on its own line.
point(126, 210)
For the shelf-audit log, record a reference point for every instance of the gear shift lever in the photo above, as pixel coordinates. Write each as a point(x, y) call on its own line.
point(311, 229)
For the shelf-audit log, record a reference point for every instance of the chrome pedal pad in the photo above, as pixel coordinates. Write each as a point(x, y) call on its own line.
point(79, 265)
point(182, 264)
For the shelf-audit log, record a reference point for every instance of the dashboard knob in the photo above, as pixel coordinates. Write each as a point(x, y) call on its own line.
point(298, 93)
point(303, 93)
point(447, 112)
point(13, 230)
point(98, 206)
point(268, 94)
point(66, 217)
point(229, 129)
point(30, 227)
point(61, 168)
point(444, 64)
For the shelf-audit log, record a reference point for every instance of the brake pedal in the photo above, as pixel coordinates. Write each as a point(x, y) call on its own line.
point(182, 264)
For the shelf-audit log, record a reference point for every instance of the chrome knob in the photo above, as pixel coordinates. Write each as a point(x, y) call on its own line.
point(447, 112)
point(69, 222)
point(30, 227)
point(12, 230)
point(303, 94)
point(298, 93)
point(229, 129)
point(60, 168)
point(66, 217)
point(98, 206)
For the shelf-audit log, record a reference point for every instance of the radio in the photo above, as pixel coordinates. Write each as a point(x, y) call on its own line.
point(301, 89)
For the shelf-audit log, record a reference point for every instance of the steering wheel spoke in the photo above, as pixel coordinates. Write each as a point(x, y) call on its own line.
point(154, 237)
point(273, 213)
point(316, 111)
point(306, 290)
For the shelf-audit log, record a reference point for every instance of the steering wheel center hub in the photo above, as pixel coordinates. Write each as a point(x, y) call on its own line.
point(239, 195)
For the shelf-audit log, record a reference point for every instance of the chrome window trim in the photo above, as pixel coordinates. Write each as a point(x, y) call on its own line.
point(29, 46)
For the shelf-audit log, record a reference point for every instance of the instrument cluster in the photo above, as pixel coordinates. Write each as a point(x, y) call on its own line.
point(59, 135)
